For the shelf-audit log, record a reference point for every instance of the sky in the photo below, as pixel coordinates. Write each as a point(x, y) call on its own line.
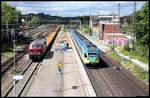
point(76, 8)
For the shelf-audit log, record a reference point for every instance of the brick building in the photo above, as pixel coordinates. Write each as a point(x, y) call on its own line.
point(108, 27)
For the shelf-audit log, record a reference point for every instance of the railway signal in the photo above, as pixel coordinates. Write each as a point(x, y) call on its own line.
point(13, 68)
point(59, 63)
point(59, 66)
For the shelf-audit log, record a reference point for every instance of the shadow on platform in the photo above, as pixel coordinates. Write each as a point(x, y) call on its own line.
point(69, 48)
point(49, 55)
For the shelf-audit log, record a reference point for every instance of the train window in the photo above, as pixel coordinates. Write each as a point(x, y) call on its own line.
point(38, 46)
point(33, 46)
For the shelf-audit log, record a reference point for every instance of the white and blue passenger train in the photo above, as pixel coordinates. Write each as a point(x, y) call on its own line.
point(87, 50)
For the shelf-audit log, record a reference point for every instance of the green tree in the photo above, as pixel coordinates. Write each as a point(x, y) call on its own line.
point(141, 28)
point(11, 18)
point(142, 24)
point(7, 13)
point(34, 21)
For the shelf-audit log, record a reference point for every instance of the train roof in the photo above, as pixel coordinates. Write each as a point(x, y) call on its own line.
point(38, 41)
point(85, 41)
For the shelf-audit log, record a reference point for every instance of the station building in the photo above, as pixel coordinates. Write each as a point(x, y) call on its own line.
point(107, 28)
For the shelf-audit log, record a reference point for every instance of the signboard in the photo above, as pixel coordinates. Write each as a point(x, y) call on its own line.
point(57, 49)
point(57, 44)
point(18, 77)
point(63, 45)
point(60, 49)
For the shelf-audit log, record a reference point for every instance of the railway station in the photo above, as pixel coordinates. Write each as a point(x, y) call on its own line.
point(50, 55)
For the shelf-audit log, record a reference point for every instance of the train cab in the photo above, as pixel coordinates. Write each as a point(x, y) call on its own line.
point(37, 49)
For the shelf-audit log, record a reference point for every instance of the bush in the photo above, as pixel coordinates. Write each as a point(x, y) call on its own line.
point(126, 47)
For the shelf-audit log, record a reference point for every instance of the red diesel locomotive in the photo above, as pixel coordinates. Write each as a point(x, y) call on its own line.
point(37, 49)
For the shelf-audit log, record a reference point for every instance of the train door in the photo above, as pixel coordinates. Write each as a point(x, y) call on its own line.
point(85, 55)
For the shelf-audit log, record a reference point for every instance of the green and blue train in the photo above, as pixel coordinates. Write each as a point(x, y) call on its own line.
point(88, 52)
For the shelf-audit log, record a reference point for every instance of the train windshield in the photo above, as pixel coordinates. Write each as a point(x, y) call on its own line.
point(36, 46)
point(92, 53)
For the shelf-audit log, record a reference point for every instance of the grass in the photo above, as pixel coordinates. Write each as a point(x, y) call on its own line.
point(142, 74)
point(108, 45)
point(83, 29)
point(136, 55)
point(5, 54)
point(5, 51)
point(115, 55)
point(65, 29)
point(115, 45)
point(8, 50)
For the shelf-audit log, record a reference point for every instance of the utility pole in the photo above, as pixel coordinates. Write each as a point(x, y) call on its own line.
point(80, 22)
point(13, 39)
point(16, 20)
point(7, 32)
point(89, 23)
point(134, 14)
point(13, 33)
point(36, 21)
point(133, 23)
point(113, 32)
point(119, 16)
point(26, 20)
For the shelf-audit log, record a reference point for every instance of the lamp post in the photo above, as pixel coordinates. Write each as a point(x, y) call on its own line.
point(113, 32)
point(13, 39)
point(89, 21)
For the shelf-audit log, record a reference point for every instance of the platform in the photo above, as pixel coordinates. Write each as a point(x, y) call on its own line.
point(46, 82)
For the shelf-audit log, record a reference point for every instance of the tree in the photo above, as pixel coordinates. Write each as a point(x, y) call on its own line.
point(7, 13)
point(142, 25)
point(10, 18)
point(141, 29)
point(34, 21)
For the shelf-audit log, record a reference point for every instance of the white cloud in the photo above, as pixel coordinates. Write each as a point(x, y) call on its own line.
point(75, 7)
point(122, 2)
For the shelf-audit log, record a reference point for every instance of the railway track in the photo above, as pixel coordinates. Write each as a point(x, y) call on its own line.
point(109, 78)
point(21, 84)
point(109, 81)
point(9, 63)
point(27, 70)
